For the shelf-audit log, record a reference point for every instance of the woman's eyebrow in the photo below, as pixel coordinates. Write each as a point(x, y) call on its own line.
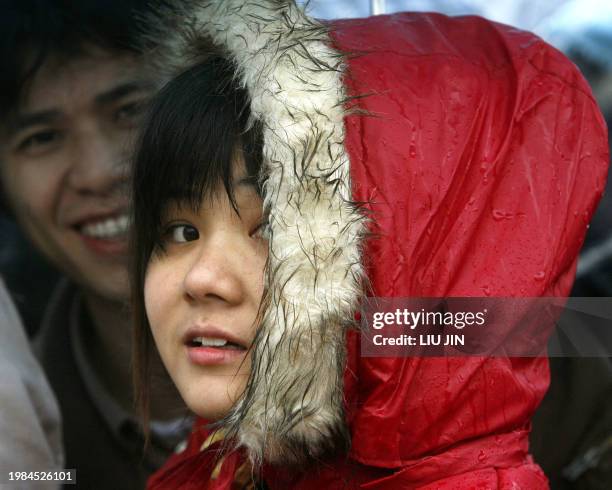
point(246, 181)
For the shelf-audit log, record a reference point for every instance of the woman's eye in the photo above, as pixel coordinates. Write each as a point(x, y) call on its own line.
point(183, 233)
point(260, 231)
point(39, 141)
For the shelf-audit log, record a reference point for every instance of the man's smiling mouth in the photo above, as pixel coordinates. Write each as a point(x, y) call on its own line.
point(108, 228)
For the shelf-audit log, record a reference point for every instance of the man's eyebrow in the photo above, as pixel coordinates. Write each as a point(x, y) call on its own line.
point(23, 121)
point(122, 90)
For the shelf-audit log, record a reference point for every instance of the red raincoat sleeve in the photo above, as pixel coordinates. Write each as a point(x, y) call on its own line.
point(482, 160)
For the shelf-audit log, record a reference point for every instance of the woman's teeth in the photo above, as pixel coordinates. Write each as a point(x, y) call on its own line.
point(107, 228)
point(209, 342)
point(212, 342)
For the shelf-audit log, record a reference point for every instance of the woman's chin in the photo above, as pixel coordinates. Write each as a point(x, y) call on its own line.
point(211, 414)
point(214, 403)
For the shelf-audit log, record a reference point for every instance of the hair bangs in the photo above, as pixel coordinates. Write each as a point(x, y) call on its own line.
point(197, 127)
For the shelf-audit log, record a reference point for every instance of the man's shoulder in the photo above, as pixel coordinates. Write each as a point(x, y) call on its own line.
point(57, 312)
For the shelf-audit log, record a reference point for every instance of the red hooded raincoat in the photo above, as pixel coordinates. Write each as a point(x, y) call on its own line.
point(481, 161)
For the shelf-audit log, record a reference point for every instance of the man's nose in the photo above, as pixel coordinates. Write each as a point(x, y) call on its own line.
point(213, 274)
point(98, 163)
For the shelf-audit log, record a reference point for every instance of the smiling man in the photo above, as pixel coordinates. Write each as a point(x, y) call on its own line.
point(73, 90)
point(64, 152)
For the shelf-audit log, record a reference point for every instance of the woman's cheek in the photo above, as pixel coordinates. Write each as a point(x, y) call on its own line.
point(158, 304)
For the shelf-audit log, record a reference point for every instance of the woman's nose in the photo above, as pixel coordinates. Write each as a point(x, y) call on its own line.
point(213, 275)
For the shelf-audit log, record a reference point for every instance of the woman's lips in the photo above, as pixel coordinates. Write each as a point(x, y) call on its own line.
point(208, 345)
point(210, 356)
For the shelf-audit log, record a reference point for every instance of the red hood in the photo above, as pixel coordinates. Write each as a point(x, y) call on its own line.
point(483, 167)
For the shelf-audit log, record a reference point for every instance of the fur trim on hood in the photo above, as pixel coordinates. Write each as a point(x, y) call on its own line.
point(292, 407)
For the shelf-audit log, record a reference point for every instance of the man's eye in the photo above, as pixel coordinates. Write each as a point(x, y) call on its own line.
point(40, 140)
point(130, 113)
point(182, 233)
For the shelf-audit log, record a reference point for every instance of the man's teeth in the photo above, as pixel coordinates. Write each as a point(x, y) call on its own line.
point(108, 228)
point(209, 342)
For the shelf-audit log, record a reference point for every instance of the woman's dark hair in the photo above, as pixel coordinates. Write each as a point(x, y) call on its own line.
point(197, 126)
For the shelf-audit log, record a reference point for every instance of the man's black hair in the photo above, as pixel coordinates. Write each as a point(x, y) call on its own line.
point(33, 30)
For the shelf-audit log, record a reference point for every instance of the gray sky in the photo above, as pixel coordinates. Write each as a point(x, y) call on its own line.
point(554, 20)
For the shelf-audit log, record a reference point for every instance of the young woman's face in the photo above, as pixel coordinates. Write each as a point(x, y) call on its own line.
point(202, 296)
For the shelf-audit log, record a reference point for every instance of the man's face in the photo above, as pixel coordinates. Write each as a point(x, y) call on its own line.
point(63, 164)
